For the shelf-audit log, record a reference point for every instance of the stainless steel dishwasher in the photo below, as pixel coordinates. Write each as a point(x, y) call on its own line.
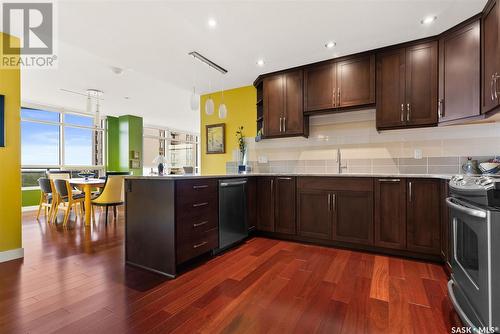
point(233, 225)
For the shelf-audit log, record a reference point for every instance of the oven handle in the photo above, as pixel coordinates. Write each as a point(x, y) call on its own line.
point(457, 307)
point(471, 212)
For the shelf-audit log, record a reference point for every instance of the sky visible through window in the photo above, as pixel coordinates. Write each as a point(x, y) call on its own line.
point(40, 143)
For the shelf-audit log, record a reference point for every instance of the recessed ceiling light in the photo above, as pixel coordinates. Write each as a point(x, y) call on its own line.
point(330, 44)
point(260, 62)
point(428, 19)
point(212, 23)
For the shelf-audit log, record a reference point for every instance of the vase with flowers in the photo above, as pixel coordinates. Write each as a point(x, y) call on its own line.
point(242, 146)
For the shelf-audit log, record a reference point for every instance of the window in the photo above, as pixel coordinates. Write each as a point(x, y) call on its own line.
point(53, 139)
point(179, 148)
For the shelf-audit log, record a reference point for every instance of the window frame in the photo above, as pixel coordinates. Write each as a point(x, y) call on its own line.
point(98, 135)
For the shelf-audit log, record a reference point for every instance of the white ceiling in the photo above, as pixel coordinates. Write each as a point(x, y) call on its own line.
point(151, 40)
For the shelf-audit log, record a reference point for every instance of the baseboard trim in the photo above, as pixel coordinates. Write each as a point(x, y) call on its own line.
point(11, 254)
point(29, 208)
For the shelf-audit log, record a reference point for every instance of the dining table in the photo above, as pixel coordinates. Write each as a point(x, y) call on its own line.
point(86, 185)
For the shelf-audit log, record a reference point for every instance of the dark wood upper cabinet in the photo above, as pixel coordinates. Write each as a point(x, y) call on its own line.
point(423, 216)
point(293, 114)
point(491, 62)
point(422, 84)
point(408, 98)
point(356, 81)
point(285, 205)
point(342, 84)
point(283, 105)
point(390, 213)
point(459, 73)
point(265, 203)
point(319, 87)
point(391, 97)
point(273, 105)
point(314, 213)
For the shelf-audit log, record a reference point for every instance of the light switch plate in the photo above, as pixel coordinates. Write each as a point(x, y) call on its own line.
point(417, 154)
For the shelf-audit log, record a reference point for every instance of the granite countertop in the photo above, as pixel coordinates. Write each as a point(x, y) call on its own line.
point(219, 176)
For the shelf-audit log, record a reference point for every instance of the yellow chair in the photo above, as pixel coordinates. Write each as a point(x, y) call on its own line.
point(67, 200)
point(47, 198)
point(112, 195)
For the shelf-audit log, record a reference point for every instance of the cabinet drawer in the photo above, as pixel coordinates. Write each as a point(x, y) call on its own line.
point(201, 209)
point(193, 191)
point(195, 227)
point(188, 249)
point(336, 183)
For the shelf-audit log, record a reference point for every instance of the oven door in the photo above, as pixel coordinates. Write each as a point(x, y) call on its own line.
point(471, 258)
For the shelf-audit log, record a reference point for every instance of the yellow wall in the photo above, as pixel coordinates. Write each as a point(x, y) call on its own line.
point(241, 111)
point(10, 158)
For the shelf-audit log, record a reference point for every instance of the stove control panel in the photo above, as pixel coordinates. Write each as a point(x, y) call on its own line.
point(473, 182)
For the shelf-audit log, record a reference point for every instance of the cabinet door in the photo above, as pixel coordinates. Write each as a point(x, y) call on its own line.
point(353, 217)
point(423, 216)
point(445, 225)
point(490, 63)
point(422, 84)
point(273, 105)
point(252, 203)
point(314, 210)
point(319, 87)
point(390, 89)
point(356, 81)
point(293, 118)
point(459, 73)
point(390, 213)
point(285, 205)
point(265, 204)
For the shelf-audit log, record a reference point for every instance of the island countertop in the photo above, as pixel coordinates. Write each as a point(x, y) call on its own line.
point(220, 176)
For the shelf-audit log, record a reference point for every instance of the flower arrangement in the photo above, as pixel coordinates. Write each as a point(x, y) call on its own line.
point(241, 141)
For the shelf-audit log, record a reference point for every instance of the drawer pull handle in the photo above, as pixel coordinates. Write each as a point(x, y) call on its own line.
point(200, 224)
point(200, 187)
point(199, 204)
point(200, 244)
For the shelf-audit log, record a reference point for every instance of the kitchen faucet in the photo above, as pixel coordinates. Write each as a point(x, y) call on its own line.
point(339, 161)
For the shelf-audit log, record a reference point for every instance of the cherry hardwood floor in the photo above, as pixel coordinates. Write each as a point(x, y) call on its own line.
point(74, 281)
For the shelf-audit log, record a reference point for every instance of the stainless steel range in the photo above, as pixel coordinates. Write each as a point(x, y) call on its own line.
point(474, 288)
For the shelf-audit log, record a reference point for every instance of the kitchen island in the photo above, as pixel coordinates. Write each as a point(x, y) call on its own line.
point(172, 220)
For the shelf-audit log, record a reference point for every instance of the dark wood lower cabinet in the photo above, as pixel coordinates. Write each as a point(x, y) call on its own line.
point(423, 216)
point(353, 216)
point(390, 213)
point(445, 226)
point(284, 205)
point(252, 203)
point(265, 204)
point(314, 211)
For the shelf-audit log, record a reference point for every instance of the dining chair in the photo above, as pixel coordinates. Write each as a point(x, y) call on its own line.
point(112, 194)
point(67, 200)
point(61, 175)
point(47, 199)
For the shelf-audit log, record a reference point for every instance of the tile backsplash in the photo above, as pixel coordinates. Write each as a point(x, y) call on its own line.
point(443, 150)
point(426, 165)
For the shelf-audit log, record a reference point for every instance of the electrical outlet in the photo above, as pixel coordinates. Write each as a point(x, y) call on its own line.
point(417, 154)
point(262, 159)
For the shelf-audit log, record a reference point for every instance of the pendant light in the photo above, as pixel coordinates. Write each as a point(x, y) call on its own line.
point(209, 103)
point(222, 106)
point(195, 100)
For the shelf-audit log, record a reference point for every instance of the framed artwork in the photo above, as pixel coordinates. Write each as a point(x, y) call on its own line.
point(216, 138)
point(2, 121)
